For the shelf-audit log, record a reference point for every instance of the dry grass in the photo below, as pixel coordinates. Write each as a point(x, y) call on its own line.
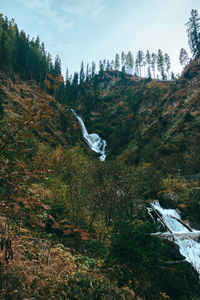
point(28, 274)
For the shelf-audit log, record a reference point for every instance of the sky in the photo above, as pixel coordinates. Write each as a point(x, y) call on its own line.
point(87, 30)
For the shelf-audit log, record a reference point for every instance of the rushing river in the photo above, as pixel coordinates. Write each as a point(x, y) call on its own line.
point(93, 140)
point(185, 239)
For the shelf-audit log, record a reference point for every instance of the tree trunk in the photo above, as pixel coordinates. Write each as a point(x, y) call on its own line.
point(161, 220)
point(180, 221)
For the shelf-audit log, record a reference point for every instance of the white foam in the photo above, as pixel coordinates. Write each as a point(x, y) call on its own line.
point(93, 140)
point(188, 247)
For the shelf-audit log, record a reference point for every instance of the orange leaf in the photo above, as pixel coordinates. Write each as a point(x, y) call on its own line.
point(47, 83)
point(50, 76)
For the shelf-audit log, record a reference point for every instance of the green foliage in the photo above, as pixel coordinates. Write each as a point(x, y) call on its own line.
point(85, 287)
point(142, 257)
point(24, 56)
point(191, 203)
point(132, 243)
point(183, 57)
point(193, 29)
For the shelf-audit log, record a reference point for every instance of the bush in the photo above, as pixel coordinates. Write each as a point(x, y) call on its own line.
point(140, 261)
point(132, 243)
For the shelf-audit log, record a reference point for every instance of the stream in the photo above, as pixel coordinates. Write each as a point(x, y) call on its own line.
point(93, 140)
point(186, 240)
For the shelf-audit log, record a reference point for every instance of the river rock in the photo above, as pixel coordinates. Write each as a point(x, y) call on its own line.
point(173, 251)
point(169, 200)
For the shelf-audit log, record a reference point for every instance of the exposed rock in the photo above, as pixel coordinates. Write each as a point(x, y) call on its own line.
point(169, 200)
point(173, 250)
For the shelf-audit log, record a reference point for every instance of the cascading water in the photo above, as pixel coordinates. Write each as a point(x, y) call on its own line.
point(93, 140)
point(181, 235)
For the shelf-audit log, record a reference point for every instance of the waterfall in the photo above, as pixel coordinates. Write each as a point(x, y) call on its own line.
point(188, 247)
point(93, 140)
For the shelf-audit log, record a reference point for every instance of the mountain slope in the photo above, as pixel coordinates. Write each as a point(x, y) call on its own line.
point(146, 120)
point(59, 201)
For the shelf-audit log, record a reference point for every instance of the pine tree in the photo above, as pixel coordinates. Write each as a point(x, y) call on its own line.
point(148, 62)
point(104, 64)
point(193, 30)
point(75, 80)
point(149, 72)
point(117, 62)
point(123, 60)
point(153, 63)
point(93, 69)
point(123, 69)
point(23, 53)
point(7, 43)
point(67, 87)
point(148, 58)
point(35, 60)
point(144, 64)
point(67, 75)
point(101, 67)
point(108, 66)
point(57, 66)
point(129, 62)
point(160, 64)
point(172, 76)
point(140, 58)
point(88, 73)
point(112, 64)
point(167, 63)
point(43, 63)
point(82, 73)
point(183, 57)
point(49, 62)
point(136, 67)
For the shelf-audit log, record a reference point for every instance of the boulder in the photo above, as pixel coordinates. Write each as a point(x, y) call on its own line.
point(169, 200)
point(173, 251)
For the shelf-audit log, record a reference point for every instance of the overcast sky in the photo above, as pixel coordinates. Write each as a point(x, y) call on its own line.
point(89, 30)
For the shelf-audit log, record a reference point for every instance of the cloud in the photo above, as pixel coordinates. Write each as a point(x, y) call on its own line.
point(37, 4)
point(84, 8)
point(44, 8)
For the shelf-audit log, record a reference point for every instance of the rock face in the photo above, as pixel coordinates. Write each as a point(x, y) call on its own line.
point(169, 200)
point(173, 250)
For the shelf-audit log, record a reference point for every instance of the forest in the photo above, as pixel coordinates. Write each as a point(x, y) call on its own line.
point(75, 227)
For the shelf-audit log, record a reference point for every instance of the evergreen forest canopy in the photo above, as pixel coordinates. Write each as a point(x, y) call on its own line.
point(72, 227)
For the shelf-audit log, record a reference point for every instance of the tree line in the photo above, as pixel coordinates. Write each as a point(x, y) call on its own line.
point(144, 64)
point(24, 56)
point(29, 58)
point(193, 33)
point(151, 65)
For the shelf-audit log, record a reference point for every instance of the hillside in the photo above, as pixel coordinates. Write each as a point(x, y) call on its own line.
point(147, 120)
point(24, 100)
point(58, 202)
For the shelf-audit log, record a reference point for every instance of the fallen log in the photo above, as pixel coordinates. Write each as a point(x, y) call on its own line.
point(161, 219)
point(183, 223)
point(173, 262)
point(179, 235)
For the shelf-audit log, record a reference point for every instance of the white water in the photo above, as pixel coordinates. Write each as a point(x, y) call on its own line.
point(187, 246)
point(93, 140)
